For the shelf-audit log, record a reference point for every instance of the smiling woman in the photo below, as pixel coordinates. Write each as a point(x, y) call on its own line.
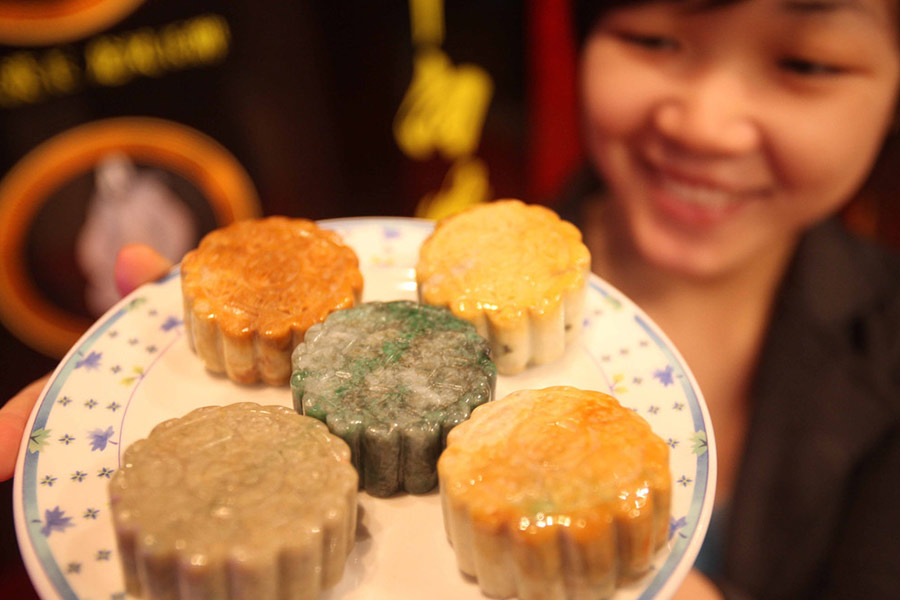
point(707, 124)
point(727, 135)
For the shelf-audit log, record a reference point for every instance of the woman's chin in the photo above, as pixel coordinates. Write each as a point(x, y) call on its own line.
point(678, 255)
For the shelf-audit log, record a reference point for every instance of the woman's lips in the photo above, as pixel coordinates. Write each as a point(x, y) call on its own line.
point(695, 202)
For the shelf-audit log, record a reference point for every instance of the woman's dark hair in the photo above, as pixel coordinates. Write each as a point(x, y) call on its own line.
point(586, 13)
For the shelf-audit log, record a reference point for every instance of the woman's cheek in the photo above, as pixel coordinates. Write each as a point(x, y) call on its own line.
point(822, 166)
point(833, 161)
point(614, 95)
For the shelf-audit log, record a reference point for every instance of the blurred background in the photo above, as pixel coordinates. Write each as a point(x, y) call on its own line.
point(148, 121)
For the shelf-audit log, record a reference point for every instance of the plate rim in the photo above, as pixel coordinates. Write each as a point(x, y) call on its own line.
point(663, 584)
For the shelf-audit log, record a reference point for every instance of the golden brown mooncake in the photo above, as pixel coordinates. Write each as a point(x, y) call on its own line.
point(252, 289)
point(556, 493)
point(516, 271)
point(237, 502)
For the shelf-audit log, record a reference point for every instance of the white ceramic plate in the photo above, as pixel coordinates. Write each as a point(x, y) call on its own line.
point(133, 369)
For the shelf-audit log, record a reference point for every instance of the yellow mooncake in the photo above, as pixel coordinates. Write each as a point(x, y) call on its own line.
point(516, 271)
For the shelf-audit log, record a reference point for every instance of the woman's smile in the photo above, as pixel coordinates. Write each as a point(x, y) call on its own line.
point(696, 198)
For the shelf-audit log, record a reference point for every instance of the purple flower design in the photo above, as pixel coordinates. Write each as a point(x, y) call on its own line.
point(171, 323)
point(100, 437)
point(674, 526)
point(55, 520)
point(90, 362)
point(391, 233)
point(665, 376)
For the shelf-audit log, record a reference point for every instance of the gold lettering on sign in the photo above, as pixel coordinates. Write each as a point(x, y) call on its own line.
point(59, 73)
point(443, 112)
point(20, 79)
point(427, 21)
point(113, 60)
point(465, 184)
point(444, 108)
point(28, 77)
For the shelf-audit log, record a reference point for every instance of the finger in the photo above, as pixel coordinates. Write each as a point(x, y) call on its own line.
point(137, 264)
point(696, 586)
point(13, 418)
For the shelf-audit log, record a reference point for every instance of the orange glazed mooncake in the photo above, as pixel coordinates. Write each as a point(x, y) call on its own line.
point(558, 493)
point(516, 271)
point(252, 289)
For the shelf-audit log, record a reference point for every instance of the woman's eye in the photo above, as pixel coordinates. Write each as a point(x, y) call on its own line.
point(650, 41)
point(801, 66)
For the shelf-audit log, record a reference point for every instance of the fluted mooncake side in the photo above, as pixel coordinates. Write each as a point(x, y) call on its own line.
point(236, 502)
point(392, 379)
point(252, 289)
point(555, 494)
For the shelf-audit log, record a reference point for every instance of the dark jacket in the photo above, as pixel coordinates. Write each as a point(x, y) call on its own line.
point(816, 511)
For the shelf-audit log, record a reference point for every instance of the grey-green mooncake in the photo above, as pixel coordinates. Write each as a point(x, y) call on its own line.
point(392, 379)
point(236, 502)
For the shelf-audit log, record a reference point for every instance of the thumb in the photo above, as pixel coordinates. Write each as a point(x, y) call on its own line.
point(137, 264)
point(14, 416)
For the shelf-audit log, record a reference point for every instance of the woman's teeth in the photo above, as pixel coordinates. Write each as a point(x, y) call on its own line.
point(699, 195)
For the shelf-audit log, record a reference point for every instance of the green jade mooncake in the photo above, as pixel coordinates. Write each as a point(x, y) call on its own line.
point(392, 379)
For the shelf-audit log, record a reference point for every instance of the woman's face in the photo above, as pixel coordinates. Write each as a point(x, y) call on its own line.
point(724, 132)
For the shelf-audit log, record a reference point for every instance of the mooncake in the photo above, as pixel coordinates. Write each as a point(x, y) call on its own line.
point(252, 289)
point(517, 272)
point(236, 502)
point(392, 379)
point(558, 493)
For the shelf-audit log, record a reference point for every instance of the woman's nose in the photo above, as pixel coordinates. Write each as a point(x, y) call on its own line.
point(709, 113)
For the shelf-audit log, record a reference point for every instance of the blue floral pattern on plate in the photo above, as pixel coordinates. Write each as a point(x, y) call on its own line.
point(133, 369)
